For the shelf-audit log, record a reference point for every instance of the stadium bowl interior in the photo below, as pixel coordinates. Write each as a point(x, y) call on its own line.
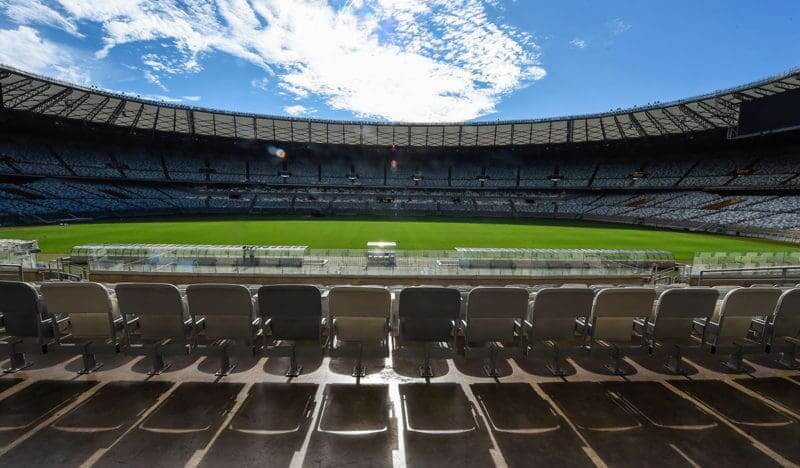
point(609, 289)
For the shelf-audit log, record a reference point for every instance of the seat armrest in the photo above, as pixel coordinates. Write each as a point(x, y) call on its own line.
point(792, 340)
point(133, 321)
point(256, 322)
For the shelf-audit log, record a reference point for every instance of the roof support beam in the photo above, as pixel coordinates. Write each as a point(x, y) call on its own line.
point(550, 133)
point(69, 109)
point(602, 128)
point(731, 106)
point(716, 113)
point(155, 120)
point(91, 115)
point(637, 124)
point(678, 123)
point(704, 122)
point(760, 92)
point(782, 85)
point(656, 123)
point(619, 128)
point(116, 113)
point(2, 103)
point(190, 121)
point(138, 116)
point(569, 131)
point(45, 105)
point(11, 87)
point(24, 97)
point(586, 130)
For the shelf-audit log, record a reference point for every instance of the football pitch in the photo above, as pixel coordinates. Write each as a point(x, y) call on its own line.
point(409, 234)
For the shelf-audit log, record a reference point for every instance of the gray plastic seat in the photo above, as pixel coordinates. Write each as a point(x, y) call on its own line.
point(428, 315)
point(495, 317)
point(674, 315)
point(29, 325)
point(165, 322)
point(730, 325)
point(359, 314)
point(612, 321)
point(553, 313)
point(94, 318)
point(230, 319)
point(291, 313)
point(780, 332)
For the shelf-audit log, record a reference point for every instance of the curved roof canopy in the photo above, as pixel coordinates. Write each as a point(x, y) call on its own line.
point(27, 92)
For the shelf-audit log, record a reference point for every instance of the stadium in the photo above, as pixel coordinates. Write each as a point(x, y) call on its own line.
point(191, 286)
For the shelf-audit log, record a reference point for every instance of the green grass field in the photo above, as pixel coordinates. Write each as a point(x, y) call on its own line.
point(409, 234)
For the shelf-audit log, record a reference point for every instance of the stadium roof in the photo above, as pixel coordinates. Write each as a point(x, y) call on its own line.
point(28, 92)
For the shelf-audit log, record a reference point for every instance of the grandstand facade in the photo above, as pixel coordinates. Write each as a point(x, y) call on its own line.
point(69, 153)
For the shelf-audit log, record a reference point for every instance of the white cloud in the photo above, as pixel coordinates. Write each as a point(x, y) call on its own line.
point(618, 26)
point(412, 60)
point(35, 12)
point(191, 98)
point(298, 110)
point(25, 49)
point(578, 43)
point(260, 83)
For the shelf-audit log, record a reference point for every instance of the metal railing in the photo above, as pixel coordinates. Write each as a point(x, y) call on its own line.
point(783, 273)
point(15, 269)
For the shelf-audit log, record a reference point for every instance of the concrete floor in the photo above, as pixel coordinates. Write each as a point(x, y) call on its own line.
point(255, 416)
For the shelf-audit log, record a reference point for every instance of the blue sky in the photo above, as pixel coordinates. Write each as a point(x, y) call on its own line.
point(404, 60)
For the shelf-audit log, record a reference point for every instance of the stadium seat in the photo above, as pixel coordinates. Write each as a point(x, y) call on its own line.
point(495, 318)
point(674, 314)
point(165, 322)
point(427, 315)
point(729, 327)
point(359, 314)
point(553, 313)
point(95, 324)
point(291, 313)
point(611, 323)
point(29, 326)
point(230, 319)
point(780, 330)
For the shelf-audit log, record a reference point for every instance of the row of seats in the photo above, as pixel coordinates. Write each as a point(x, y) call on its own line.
point(216, 319)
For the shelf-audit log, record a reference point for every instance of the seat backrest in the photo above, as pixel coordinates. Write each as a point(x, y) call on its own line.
point(786, 319)
point(360, 313)
point(227, 308)
point(493, 311)
point(426, 313)
point(554, 310)
point(21, 308)
point(159, 307)
point(676, 310)
point(741, 305)
point(295, 310)
point(90, 308)
point(614, 310)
